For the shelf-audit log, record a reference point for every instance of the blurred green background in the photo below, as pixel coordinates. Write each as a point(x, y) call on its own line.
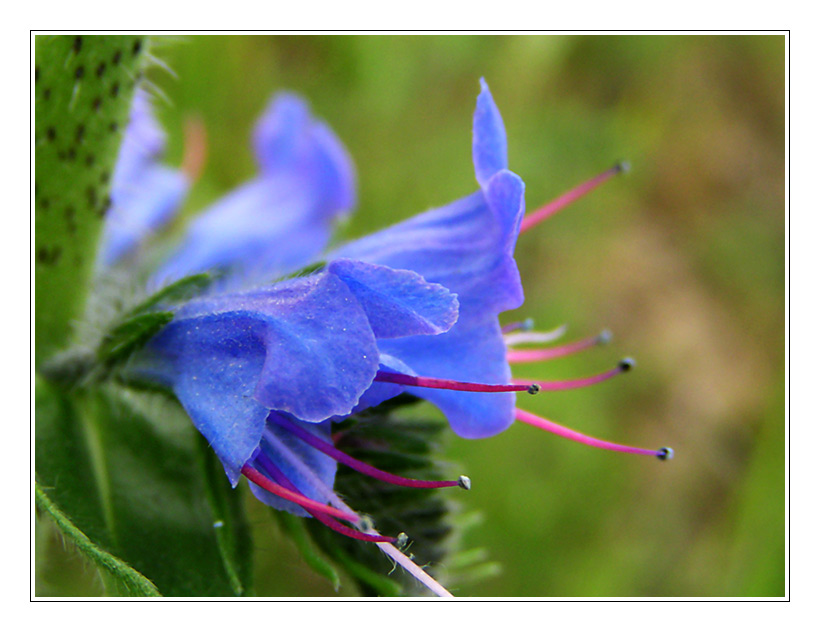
point(683, 259)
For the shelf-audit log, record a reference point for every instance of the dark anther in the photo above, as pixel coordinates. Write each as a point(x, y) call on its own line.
point(534, 389)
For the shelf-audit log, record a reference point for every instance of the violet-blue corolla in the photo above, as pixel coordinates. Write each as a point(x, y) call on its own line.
point(265, 372)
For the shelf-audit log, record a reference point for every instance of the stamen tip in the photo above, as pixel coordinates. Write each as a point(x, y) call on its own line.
point(534, 389)
point(464, 482)
point(604, 337)
point(626, 364)
point(623, 166)
point(666, 454)
point(402, 539)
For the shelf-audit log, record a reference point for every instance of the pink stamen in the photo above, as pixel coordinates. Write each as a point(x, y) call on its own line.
point(539, 215)
point(364, 468)
point(565, 385)
point(524, 325)
point(452, 385)
point(321, 515)
point(195, 149)
point(303, 501)
point(520, 356)
point(663, 454)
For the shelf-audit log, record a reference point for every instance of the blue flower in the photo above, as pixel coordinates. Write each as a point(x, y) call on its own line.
point(306, 347)
point(145, 194)
point(264, 368)
point(283, 218)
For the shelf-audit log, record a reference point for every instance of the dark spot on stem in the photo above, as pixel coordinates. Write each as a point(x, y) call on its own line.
point(115, 89)
point(51, 134)
point(80, 72)
point(117, 57)
point(96, 104)
point(71, 219)
point(114, 126)
point(49, 256)
point(90, 159)
point(105, 176)
point(137, 47)
point(101, 69)
point(91, 194)
point(47, 94)
point(78, 43)
point(80, 132)
point(71, 154)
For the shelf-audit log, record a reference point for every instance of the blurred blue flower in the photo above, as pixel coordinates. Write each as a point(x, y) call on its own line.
point(283, 218)
point(145, 194)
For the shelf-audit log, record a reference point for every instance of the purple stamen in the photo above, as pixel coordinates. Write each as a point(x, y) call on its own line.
point(565, 385)
point(452, 385)
point(523, 325)
point(663, 454)
point(364, 468)
point(322, 517)
point(520, 356)
point(293, 496)
point(536, 217)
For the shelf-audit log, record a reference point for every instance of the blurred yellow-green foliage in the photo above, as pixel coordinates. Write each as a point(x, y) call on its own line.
point(683, 259)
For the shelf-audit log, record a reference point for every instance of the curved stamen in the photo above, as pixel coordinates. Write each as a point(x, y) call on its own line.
point(195, 149)
point(663, 454)
point(303, 501)
point(520, 356)
point(536, 217)
point(452, 385)
point(524, 325)
point(536, 337)
point(565, 385)
point(364, 468)
point(282, 480)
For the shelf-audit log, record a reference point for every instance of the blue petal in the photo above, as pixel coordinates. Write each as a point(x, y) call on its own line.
point(304, 347)
point(489, 138)
point(472, 354)
point(139, 209)
point(144, 195)
point(214, 364)
point(398, 302)
point(281, 220)
point(467, 247)
point(310, 471)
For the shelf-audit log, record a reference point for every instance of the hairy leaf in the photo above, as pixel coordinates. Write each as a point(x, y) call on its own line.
point(137, 484)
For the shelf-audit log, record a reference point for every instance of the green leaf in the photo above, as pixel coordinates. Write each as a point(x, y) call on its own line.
point(120, 578)
point(130, 335)
point(179, 291)
point(83, 90)
point(136, 482)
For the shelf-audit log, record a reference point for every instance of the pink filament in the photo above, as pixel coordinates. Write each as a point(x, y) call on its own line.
point(303, 501)
point(520, 356)
point(357, 465)
point(561, 431)
point(450, 385)
point(539, 215)
point(321, 515)
point(565, 385)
